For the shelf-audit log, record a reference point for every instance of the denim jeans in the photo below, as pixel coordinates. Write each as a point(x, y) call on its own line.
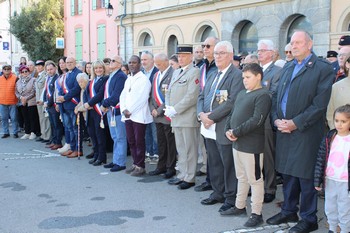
point(118, 134)
point(70, 120)
point(151, 139)
point(56, 126)
point(7, 112)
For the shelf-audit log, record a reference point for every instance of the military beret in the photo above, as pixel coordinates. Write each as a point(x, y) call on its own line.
point(332, 53)
point(344, 40)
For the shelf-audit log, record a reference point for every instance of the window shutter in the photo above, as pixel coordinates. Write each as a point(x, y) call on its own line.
point(101, 41)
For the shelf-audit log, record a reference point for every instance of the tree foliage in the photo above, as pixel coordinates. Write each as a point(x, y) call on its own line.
point(37, 27)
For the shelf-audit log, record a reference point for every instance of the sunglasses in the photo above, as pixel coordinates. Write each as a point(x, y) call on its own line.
point(206, 45)
point(286, 52)
point(26, 71)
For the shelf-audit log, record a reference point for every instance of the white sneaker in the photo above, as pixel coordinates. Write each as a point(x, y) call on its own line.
point(65, 148)
point(26, 136)
point(32, 136)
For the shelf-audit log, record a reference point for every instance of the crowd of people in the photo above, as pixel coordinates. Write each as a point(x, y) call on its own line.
point(249, 118)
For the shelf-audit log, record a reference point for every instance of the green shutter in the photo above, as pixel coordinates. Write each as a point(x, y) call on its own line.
point(72, 7)
point(94, 4)
point(101, 41)
point(106, 3)
point(80, 7)
point(79, 44)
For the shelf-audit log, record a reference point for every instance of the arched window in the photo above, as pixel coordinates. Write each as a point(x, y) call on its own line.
point(172, 44)
point(207, 32)
point(148, 40)
point(300, 23)
point(248, 38)
point(349, 27)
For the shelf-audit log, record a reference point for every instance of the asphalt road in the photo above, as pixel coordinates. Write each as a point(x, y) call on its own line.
point(41, 191)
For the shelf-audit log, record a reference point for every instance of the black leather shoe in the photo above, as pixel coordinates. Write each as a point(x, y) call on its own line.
point(117, 168)
point(156, 172)
point(225, 207)
point(210, 201)
point(304, 227)
point(205, 186)
point(46, 141)
point(39, 139)
point(98, 163)
point(200, 173)
point(15, 135)
point(110, 165)
point(6, 135)
point(175, 181)
point(185, 185)
point(90, 156)
point(169, 174)
point(269, 197)
point(281, 218)
point(234, 211)
point(92, 161)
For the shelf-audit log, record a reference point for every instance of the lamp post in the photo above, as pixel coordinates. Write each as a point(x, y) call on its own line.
point(109, 10)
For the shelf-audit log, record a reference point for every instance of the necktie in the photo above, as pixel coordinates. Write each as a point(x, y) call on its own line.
point(209, 98)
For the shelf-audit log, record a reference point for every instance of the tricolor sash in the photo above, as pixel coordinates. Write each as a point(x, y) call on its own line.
point(48, 92)
point(203, 78)
point(92, 94)
point(66, 89)
point(106, 93)
point(157, 91)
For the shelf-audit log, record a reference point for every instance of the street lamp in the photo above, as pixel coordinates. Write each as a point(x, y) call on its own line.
point(109, 10)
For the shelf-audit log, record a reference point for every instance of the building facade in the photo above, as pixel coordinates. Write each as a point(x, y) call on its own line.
point(158, 26)
point(89, 33)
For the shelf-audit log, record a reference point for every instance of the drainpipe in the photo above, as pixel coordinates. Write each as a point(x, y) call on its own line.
point(123, 26)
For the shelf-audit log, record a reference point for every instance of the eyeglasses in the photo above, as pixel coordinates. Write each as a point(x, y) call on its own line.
point(219, 54)
point(206, 45)
point(25, 71)
point(286, 52)
point(263, 50)
point(6, 69)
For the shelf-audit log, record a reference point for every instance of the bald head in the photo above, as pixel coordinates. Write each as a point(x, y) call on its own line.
point(70, 63)
point(116, 63)
point(161, 61)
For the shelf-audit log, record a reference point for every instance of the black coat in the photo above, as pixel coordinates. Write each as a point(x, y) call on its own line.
point(307, 102)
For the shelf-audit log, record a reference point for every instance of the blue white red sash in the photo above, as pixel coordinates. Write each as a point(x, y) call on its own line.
point(66, 89)
point(203, 77)
point(92, 94)
point(106, 93)
point(48, 92)
point(157, 91)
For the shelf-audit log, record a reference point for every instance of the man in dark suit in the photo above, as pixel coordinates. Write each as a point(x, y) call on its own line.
point(110, 104)
point(165, 136)
point(70, 97)
point(50, 105)
point(270, 81)
point(148, 68)
point(207, 70)
point(214, 104)
point(298, 113)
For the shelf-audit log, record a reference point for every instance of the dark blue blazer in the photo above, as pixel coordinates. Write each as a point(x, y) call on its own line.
point(116, 86)
point(155, 70)
point(99, 90)
point(74, 89)
point(50, 101)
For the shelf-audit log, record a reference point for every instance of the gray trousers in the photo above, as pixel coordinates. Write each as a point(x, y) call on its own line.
point(337, 205)
point(45, 127)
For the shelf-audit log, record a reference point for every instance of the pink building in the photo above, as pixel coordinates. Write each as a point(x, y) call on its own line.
point(89, 34)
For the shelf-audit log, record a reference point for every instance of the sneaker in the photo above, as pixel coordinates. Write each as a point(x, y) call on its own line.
point(254, 220)
point(138, 171)
point(130, 169)
point(65, 148)
point(154, 160)
point(147, 159)
point(26, 136)
point(32, 136)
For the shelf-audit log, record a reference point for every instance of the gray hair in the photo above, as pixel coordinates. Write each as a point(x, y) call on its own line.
point(148, 53)
point(82, 76)
point(161, 56)
point(228, 46)
point(269, 43)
